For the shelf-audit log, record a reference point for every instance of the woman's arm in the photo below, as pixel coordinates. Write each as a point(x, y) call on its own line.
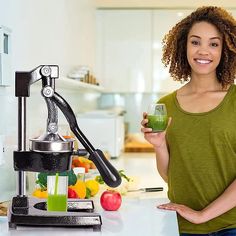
point(158, 140)
point(162, 161)
point(225, 202)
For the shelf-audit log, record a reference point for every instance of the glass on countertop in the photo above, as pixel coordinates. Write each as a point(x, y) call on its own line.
point(57, 192)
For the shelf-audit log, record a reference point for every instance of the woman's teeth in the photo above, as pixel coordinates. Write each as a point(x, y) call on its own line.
point(203, 61)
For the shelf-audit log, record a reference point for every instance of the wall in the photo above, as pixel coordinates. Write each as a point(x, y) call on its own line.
point(162, 3)
point(43, 32)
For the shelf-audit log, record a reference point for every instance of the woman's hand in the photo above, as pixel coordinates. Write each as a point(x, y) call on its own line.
point(156, 139)
point(195, 217)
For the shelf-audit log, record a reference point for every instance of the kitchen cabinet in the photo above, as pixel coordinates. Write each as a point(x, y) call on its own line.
point(124, 50)
point(129, 49)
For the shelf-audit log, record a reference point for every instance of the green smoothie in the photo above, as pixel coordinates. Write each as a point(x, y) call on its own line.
point(157, 122)
point(57, 202)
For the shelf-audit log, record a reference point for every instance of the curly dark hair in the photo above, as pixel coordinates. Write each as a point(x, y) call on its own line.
point(175, 44)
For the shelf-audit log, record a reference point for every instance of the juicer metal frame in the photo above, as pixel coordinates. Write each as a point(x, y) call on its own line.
point(30, 211)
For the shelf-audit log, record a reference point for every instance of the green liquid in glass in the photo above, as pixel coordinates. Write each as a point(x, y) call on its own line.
point(157, 122)
point(57, 202)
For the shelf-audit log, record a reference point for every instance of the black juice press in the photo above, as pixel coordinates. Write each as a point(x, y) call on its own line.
point(51, 153)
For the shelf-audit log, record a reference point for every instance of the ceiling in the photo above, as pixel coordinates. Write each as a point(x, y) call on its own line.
point(163, 3)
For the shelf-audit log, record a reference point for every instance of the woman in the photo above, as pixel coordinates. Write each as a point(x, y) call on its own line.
point(196, 155)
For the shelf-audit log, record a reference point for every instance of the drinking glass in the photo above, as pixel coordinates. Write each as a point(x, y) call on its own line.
point(157, 117)
point(57, 192)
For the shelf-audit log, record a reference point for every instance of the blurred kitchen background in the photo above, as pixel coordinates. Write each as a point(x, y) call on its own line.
point(109, 54)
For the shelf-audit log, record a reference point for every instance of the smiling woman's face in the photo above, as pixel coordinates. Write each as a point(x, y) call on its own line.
point(204, 48)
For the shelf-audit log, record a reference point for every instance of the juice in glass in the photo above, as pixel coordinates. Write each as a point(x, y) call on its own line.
point(157, 117)
point(157, 122)
point(57, 192)
point(57, 202)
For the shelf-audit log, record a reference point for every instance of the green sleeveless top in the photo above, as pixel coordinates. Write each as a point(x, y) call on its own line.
point(202, 163)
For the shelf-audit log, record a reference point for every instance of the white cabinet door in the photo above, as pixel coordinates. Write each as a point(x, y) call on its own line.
point(124, 60)
point(163, 21)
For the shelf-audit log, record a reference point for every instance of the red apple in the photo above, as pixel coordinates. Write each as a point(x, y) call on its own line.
point(110, 200)
point(72, 193)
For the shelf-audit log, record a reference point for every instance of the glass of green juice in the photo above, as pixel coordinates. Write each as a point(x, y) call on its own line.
point(157, 117)
point(57, 187)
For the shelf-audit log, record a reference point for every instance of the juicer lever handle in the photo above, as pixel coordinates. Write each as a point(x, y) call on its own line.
point(110, 175)
point(70, 116)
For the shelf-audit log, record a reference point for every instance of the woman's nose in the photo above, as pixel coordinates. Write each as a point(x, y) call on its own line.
point(203, 50)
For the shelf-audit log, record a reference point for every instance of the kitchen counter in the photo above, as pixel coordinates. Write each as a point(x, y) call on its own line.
point(137, 216)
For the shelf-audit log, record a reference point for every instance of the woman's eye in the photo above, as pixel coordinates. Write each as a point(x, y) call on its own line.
point(195, 42)
point(214, 44)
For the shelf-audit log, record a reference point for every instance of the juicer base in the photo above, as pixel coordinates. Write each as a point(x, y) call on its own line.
point(37, 215)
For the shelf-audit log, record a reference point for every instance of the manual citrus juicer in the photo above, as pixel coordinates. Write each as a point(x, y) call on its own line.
point(52, 153)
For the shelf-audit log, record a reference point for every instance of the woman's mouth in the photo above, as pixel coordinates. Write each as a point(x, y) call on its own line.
point(203, 61)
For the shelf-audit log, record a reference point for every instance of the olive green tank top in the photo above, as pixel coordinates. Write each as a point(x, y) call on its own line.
point(202, 163)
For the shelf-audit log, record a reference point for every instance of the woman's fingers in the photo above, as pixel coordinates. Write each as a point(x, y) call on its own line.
point(146, 130)
point(168, 206)
point(172, 207)
point(144, 122)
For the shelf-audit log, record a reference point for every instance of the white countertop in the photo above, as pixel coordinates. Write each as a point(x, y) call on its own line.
point(136, 216)
point(141, 166)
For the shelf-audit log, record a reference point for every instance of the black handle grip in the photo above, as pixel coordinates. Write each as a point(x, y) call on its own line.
point(109, 174)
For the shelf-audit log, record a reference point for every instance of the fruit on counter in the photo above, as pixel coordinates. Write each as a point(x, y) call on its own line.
point(72, 193)
point(67, 137)
point(79, 188)
point(88, 193)
point(42, 178)
point(79, 161)
point(93, 186)
point(92, 166)
point(85, 165)
point(126, 184)
point(40, 193)
point(110, 200)
point(100, 180)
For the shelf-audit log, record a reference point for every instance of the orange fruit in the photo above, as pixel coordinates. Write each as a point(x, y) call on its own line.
point(67, 137)
point(79, 188)
point(85, 165)
point(40, 193)
point(75, 162)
